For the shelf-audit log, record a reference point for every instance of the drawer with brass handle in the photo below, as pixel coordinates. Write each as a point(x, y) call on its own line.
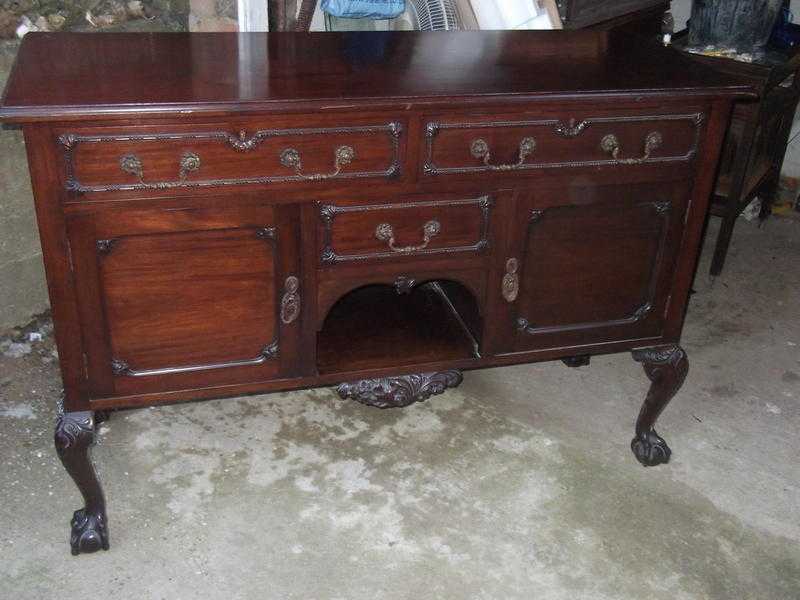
point(147, 158)
point(490, 147)
point(350, 233)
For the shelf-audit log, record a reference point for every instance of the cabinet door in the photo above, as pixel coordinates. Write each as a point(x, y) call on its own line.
point(184, 297)
point(595, 264)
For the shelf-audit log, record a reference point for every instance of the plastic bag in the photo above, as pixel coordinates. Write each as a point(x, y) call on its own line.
point(364, 9)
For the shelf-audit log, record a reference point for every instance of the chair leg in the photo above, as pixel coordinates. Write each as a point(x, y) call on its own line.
point(768, 195)
point(723, 243)
point(305, 15)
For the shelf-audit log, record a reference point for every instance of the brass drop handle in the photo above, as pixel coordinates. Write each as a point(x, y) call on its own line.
point(510, 285)
point(290, 303)
point(610, 145)
point(385, 233)
point(479, 148)
point(343, 155)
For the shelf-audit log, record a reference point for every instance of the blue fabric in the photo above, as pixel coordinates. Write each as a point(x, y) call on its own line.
point(364, 9)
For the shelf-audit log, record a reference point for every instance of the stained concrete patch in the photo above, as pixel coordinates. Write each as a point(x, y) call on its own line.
point(790, 377)
point(18, 411)
point(682, 539)
point(723, 391)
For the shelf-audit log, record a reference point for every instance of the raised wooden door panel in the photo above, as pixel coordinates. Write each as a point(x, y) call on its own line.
point(593, 264)
point(187, 297)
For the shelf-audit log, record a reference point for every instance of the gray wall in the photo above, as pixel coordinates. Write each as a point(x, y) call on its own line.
point(23, 292)
point(22, 286)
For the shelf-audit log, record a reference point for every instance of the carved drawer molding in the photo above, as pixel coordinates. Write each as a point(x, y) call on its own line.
point(532, 151)
point(384, 233)
point(189, 166)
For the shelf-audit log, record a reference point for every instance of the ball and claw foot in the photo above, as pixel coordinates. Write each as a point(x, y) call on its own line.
point(89, 532)
point(666, 367)
point(74, 436)
point(650, 449)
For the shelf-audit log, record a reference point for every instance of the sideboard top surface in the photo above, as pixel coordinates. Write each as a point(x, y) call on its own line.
point(74, 75)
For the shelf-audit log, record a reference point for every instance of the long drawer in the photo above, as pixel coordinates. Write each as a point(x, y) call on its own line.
point(152, 157)
point(507, 144)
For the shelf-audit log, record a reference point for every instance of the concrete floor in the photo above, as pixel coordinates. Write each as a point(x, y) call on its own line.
point(518, 485)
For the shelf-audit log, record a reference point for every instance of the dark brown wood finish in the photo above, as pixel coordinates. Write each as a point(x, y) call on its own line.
point(526, 143)
point(226, 214)
point(619, 281)
point(406, 228)
point(121, 75)
point(666, 368)
point(58, 262)
point(215, 276)
point(261, 152)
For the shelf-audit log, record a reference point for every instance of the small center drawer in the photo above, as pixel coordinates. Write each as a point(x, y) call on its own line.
point(149, 157)
point(502, 146)
point(362, 232)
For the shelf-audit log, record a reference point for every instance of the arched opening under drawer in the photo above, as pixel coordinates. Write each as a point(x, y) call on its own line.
point(408, 323)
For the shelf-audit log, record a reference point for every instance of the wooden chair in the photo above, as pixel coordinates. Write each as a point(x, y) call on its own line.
point(756, 142)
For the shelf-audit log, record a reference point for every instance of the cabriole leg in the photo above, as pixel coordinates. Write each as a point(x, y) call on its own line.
point(74, 436)
point(666, 367)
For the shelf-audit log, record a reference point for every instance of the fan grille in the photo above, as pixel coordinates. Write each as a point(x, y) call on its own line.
point(436, 15)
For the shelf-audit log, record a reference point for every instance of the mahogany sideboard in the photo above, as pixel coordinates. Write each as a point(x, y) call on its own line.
point(226, 214)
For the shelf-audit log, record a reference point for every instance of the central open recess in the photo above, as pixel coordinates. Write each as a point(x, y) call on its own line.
point(379, 326)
